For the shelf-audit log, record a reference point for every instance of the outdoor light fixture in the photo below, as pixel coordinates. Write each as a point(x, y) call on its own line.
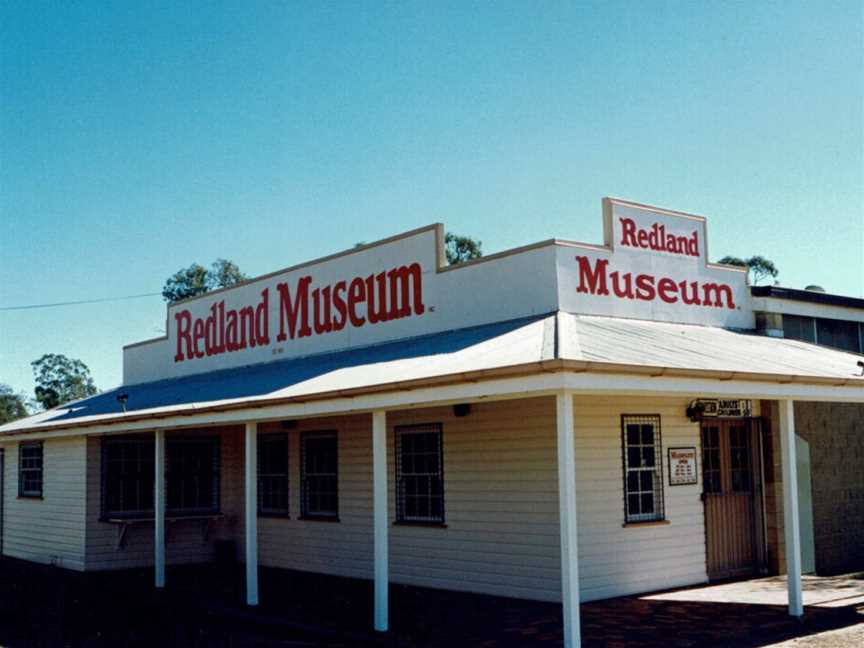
point(288, 425)
point(122, 397)
point(462, 409)
point(695, 411)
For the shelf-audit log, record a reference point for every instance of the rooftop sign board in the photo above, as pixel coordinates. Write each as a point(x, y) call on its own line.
point(654, 265)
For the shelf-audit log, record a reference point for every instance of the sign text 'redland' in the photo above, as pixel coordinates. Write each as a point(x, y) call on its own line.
point(305, 311)
point(658, 239)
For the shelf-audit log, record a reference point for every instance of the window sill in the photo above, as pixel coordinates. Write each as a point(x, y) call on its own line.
point(275, 516)
point(646, 523)
point(409, 523)
point(319, 518)
point(31, 497)
point(168, 518)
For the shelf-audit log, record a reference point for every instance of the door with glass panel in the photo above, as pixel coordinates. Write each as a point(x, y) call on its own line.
point(728, 494)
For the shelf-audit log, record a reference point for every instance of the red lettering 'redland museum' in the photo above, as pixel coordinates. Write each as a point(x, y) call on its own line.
point(381, 297)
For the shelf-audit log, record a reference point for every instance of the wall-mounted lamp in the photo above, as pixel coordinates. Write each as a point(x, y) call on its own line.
point(288, 425)
point(695, 411)
point(122, 397)
point(461, 409)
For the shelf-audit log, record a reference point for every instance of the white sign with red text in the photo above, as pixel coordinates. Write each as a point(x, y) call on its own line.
point(654, 265)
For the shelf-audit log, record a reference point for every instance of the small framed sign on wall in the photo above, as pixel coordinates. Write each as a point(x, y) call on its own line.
point(682, 466)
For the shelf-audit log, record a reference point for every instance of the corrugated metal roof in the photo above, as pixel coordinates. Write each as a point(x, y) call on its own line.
point(490, 346)
point(686, 346)
point(600, 341)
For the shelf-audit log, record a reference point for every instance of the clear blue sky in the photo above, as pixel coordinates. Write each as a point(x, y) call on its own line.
point(136, 138)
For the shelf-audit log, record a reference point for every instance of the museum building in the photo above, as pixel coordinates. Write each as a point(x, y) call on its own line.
point(560, 422)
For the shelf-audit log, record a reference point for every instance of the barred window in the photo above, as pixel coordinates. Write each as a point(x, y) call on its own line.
point(319, 485)
point(419, 474)
point(273, 474)
point(192, 472)
point(643, 468)
point(30, 466)
point(127, 477)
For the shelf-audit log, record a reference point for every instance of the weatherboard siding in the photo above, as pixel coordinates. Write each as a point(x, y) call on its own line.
point(185, 541)
point(49, 530)
point(501, 498)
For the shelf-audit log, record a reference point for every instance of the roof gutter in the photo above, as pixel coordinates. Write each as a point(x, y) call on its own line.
point(513, 371)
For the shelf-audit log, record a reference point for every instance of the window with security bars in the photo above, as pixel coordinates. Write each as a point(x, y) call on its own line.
point(192, 473)
point(419, 474)
point(319, 483)
point(30, 467)
point(127, 477)
point(273, 474)
point(643, 468)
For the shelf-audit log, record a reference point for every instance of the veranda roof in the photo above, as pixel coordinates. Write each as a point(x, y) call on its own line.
point(551, 342)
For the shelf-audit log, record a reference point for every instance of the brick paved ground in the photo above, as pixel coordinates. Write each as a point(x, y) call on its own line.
point(45, 607)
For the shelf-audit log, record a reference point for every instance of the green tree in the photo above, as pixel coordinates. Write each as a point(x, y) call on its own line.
point(459, 249)
point(60, 379)
point(197, 280)
point(12, 406)
point(758, 267)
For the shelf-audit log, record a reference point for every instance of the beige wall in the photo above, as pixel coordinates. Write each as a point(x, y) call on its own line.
point(835, 432)
point(185, 540)
point(501, 498)
point(48, 530)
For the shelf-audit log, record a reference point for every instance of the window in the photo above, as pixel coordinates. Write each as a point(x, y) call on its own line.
point(643, 468)
point(319, 486)
point(711, 475)
point(191, 475)
point(127, 477)
point(192, 472)
point(838, 334)
point(419, 474)
point(273, 474)
point(796, 327)
point(30, 470)
point(739, 453)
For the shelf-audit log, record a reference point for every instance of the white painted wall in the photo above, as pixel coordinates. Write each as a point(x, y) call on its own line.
point(50, 530)
point(493, 290)
point(501, 498)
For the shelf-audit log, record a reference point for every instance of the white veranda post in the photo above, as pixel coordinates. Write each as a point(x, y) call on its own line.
point(251, 510)
point(159, 507)
point(791, 522)
point(567, 506)
point(379, 497)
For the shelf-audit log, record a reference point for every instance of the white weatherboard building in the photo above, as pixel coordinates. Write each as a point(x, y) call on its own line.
point(559, 422)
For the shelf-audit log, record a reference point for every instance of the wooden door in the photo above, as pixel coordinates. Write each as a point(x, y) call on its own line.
point(728, 488)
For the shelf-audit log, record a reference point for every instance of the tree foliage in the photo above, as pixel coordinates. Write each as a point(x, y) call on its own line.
point(459, 249)
point(197, 280)
point(12, 406)
point(758, 267)
point(60, 379)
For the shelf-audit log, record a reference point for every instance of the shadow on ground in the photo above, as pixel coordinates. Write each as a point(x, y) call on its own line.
point(47, 607)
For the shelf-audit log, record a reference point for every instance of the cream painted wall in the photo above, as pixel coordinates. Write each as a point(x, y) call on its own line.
point(48, 530)
point(501, 497)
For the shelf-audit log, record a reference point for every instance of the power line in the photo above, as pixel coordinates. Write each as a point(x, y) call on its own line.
point(75, 303)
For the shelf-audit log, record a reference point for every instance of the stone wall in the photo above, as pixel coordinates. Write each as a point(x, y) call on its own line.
point(835, 432)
